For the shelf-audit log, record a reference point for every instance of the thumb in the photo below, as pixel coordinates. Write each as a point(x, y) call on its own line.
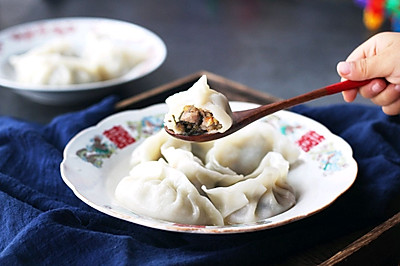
point(365, 68)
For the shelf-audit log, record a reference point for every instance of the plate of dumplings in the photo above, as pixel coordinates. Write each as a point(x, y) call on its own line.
point(75, 59)
point(276, 171)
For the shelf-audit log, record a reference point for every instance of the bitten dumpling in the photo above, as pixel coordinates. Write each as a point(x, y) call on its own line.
point(199, 110)
point(157, 190)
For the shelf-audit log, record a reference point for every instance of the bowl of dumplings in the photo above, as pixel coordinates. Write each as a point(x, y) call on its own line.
point(72, 60)
point(275, 171)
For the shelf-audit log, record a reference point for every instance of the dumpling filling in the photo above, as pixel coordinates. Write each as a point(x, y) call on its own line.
point(199, 110)
point(196, 121)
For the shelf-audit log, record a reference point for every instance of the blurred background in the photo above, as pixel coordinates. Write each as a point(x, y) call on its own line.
point(281, 47)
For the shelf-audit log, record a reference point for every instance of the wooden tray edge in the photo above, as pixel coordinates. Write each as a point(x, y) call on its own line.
point(240, 89)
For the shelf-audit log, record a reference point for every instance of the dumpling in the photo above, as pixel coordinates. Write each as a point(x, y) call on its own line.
point(198, 110)
point(110, 58)
point(200, 149)
point(243, 151)
point(159, 191)
point(264, 193)
point(52, 70)
point(179, 155)
point(150, 149)
point(53, 64)
point(186, 162)
point(241, 178)
point(58, 62)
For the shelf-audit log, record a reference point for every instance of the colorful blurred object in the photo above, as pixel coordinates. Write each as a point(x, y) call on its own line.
point(377, 11)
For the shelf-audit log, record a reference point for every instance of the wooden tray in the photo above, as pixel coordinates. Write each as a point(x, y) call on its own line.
point(370, 246)
point(232, 90)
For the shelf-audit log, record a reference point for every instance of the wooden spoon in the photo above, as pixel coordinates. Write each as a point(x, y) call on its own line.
point(245, 117)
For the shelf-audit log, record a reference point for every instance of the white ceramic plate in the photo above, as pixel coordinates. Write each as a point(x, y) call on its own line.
point(96, 159)
point(21, 38)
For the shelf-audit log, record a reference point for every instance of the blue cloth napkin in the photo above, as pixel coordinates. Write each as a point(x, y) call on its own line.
point(43, 222)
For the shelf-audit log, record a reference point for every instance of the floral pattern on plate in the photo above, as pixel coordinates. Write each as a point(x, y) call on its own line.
point(329, 159)
point(97, 150)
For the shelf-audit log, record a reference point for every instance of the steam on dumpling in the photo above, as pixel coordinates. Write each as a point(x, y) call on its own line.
point(198, 110)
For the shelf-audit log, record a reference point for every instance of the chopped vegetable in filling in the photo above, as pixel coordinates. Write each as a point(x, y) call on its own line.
point(195, 121)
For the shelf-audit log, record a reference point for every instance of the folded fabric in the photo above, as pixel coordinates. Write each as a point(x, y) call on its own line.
point(44, 223)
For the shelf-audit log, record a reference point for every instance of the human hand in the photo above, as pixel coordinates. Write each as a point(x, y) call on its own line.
point(376, 58)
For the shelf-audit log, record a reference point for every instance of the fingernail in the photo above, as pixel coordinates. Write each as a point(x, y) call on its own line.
point(397, 87)
point(377, 88)
point(344, 68)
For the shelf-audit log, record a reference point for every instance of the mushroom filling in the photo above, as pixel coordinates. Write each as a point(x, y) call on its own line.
point(195, 121)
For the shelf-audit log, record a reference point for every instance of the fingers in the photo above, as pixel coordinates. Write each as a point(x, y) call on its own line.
point(386, 96)
point(369, 91)
point(373, 88)
point(350, 95)
point(392, 109)
point(376, 57)
point(365, 68)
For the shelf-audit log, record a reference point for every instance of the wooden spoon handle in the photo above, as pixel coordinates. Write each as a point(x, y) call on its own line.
point(245, 117)
point(264, 110)
point(345, 85)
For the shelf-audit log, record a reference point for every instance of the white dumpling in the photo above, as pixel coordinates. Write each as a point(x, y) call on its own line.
point(159, 191)
point(60, 63)
point(52, 64)
point(241, 178)
point(186, 162)
point(263, 194)
point(150, 148)
point(243, 150)
point(282, 196)
point(179, 154)
point(52, 70)
point(110, 58)
point(204, 109)
point(200, 149)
